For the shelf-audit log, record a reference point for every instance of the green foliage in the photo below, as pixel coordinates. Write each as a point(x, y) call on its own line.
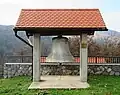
point(99, 85)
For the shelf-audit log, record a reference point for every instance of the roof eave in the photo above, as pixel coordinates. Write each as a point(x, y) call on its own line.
point(64, 28)
point(59, 31)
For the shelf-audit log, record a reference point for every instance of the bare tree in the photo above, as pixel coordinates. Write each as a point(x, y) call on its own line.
point(74, 43)
point(94, 49)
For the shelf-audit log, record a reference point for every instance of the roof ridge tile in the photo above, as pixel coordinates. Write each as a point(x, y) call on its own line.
point(94, 9)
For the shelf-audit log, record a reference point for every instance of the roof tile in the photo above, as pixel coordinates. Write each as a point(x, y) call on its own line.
point(57, 18)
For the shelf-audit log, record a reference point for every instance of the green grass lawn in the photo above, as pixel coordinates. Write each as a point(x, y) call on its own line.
point(100, 85)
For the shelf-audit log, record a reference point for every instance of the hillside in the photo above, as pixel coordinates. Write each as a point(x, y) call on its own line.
point(112, 35)
point(9, 44)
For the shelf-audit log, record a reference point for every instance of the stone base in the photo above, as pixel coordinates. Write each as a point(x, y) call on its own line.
point(59, 82)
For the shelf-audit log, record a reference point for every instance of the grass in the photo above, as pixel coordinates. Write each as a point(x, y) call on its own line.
point(100, 85)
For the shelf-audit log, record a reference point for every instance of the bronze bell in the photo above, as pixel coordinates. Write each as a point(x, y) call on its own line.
point(60, 51)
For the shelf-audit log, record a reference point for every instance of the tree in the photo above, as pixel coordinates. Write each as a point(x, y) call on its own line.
point(94, 49)
point(74, 43)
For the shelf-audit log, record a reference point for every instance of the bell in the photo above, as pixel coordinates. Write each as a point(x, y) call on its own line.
point(60, 51)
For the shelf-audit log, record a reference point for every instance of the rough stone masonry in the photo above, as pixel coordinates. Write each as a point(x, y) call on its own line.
point(25, 69)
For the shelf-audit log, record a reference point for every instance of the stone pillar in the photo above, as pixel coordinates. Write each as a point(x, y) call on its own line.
point(36, 57)
point(83, 58)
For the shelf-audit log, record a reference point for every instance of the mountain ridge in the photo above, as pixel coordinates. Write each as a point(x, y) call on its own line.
point(8, 41)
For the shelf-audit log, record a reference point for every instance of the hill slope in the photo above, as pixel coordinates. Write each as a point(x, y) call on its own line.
point(9, 44)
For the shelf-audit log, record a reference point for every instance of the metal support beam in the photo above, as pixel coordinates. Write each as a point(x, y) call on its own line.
point(22, 39)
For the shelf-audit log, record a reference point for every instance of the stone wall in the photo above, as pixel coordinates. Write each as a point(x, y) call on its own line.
point(1, 67)
point(1, 70)
point(107, 69)
point(17, 69)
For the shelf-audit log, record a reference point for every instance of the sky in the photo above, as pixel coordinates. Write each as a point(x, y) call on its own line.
point(110, 9)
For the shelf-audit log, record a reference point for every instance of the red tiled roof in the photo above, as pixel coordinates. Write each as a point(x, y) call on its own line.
point(60, 18)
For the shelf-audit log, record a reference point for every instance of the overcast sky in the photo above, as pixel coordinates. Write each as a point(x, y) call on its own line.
point(110, 9)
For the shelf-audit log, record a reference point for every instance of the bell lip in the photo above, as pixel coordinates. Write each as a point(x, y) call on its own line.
point(60, 61)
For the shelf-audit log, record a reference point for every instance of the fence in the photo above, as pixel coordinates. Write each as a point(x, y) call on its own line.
point(91, 59)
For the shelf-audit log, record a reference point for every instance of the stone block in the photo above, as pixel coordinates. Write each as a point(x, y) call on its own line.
point(98, 69)
point(116, 68)
point(5, 76)
point(109, 69)
point(112, 73)
point(105, 73)
point(117, 73)
point(98, 73)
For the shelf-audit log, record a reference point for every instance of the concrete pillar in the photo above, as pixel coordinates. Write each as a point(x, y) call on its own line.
point(83, 58)
point(36, 57)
